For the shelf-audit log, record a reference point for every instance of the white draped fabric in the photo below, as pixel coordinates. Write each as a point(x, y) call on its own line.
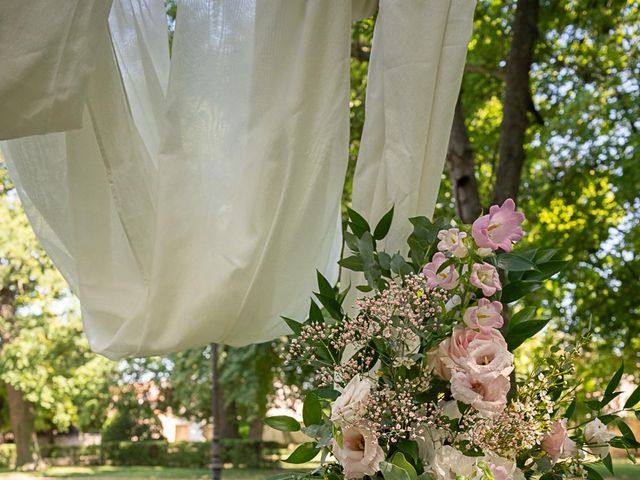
point(190, 199)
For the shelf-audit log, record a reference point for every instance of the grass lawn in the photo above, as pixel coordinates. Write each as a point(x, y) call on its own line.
point(624, 471)
point(137, 473)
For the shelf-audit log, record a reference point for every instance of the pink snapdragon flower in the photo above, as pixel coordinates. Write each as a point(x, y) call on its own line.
point(556, 442)
point(485, 316)
point(360, 453)
point(485, 276)
point(488, 397)
point(499, 228)
point(447, 278)
point(451, 353)
point(452, 241)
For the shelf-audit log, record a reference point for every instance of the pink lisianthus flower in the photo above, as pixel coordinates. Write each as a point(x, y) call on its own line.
point(485, 276)
point(487, 360)
point(556, 442)
point(485, 316)
point(447, 278)
point(360, 453)
point(499, 228)
point(451, 353)
point(452, 241)
point(488, 397)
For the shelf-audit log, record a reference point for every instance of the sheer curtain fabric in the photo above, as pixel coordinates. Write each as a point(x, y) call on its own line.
point(189, 199)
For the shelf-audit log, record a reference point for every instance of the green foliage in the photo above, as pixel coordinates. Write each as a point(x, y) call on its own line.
point(245, 453)
point(7, 455)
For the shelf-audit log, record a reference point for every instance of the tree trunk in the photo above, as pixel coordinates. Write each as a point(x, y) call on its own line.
point(20, 410)
point(517, 101)
point(461, 167)
point(22, 426)
point(255, 430)
point(229, 420)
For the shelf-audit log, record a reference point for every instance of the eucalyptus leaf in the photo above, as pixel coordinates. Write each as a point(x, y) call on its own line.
point(303, 454)
point(312, 410)
point(283, 423)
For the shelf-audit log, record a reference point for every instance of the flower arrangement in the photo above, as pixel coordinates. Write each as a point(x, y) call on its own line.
point(418, 382)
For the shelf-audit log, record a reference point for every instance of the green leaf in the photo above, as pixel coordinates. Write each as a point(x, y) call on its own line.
point(383, 226)
point(332, 305)
point(516, 290)
point(570, 409)
point(384, 259)
point(354, 263)
point(633, 399)
point(627, 433)
point(615, 381)
point(294, 325)
point(522, 331)
point(592, 474)
point(400, 461)
point(515, 263)
point(312, 410)
point(607, 462)
point(607, 398)
point(358, 224)
point(410, 449)
point(593, 404)
point(327, 392)
point(303, 454)
point(400, 266)
point(351, 240)
point(527, 313)
point(323, 284)
point(315, 314)
point(283, 423)
point(607, 419)
point(393, 472)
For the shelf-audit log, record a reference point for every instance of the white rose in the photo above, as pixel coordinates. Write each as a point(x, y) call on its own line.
point(360, 453)
point(597, 437)
point(429, 440)
point(450, 464)
point(349, 406)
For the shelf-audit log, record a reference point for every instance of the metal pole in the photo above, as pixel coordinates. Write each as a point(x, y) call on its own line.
point(216, 465)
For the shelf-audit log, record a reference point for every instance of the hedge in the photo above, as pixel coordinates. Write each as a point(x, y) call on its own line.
point(239, 452)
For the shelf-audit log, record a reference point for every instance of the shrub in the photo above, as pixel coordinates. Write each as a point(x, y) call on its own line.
point(7, 455)
point(239, 452)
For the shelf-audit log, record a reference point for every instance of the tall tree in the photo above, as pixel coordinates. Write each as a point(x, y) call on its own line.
point(45, 362)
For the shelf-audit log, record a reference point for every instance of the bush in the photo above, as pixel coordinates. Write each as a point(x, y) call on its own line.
point(239, 452)
point(7, 455)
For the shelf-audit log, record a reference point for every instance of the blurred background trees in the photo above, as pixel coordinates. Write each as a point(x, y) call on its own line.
point(548, 114)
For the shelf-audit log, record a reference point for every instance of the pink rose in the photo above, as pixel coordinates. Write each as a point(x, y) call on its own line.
point(350, 405)
point(486, 277)
point(499, 228)
point(487, 360)
point(360, 453)
point(450, 354)
point(447, 278)
point(488, 397)
point(452, 241)
point(556, 442)
point(485, 316)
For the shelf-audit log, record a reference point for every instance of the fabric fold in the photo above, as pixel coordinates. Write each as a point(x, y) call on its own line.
point(190, 199)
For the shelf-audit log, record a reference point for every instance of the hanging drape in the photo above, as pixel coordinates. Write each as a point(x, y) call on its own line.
point(190, 199)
